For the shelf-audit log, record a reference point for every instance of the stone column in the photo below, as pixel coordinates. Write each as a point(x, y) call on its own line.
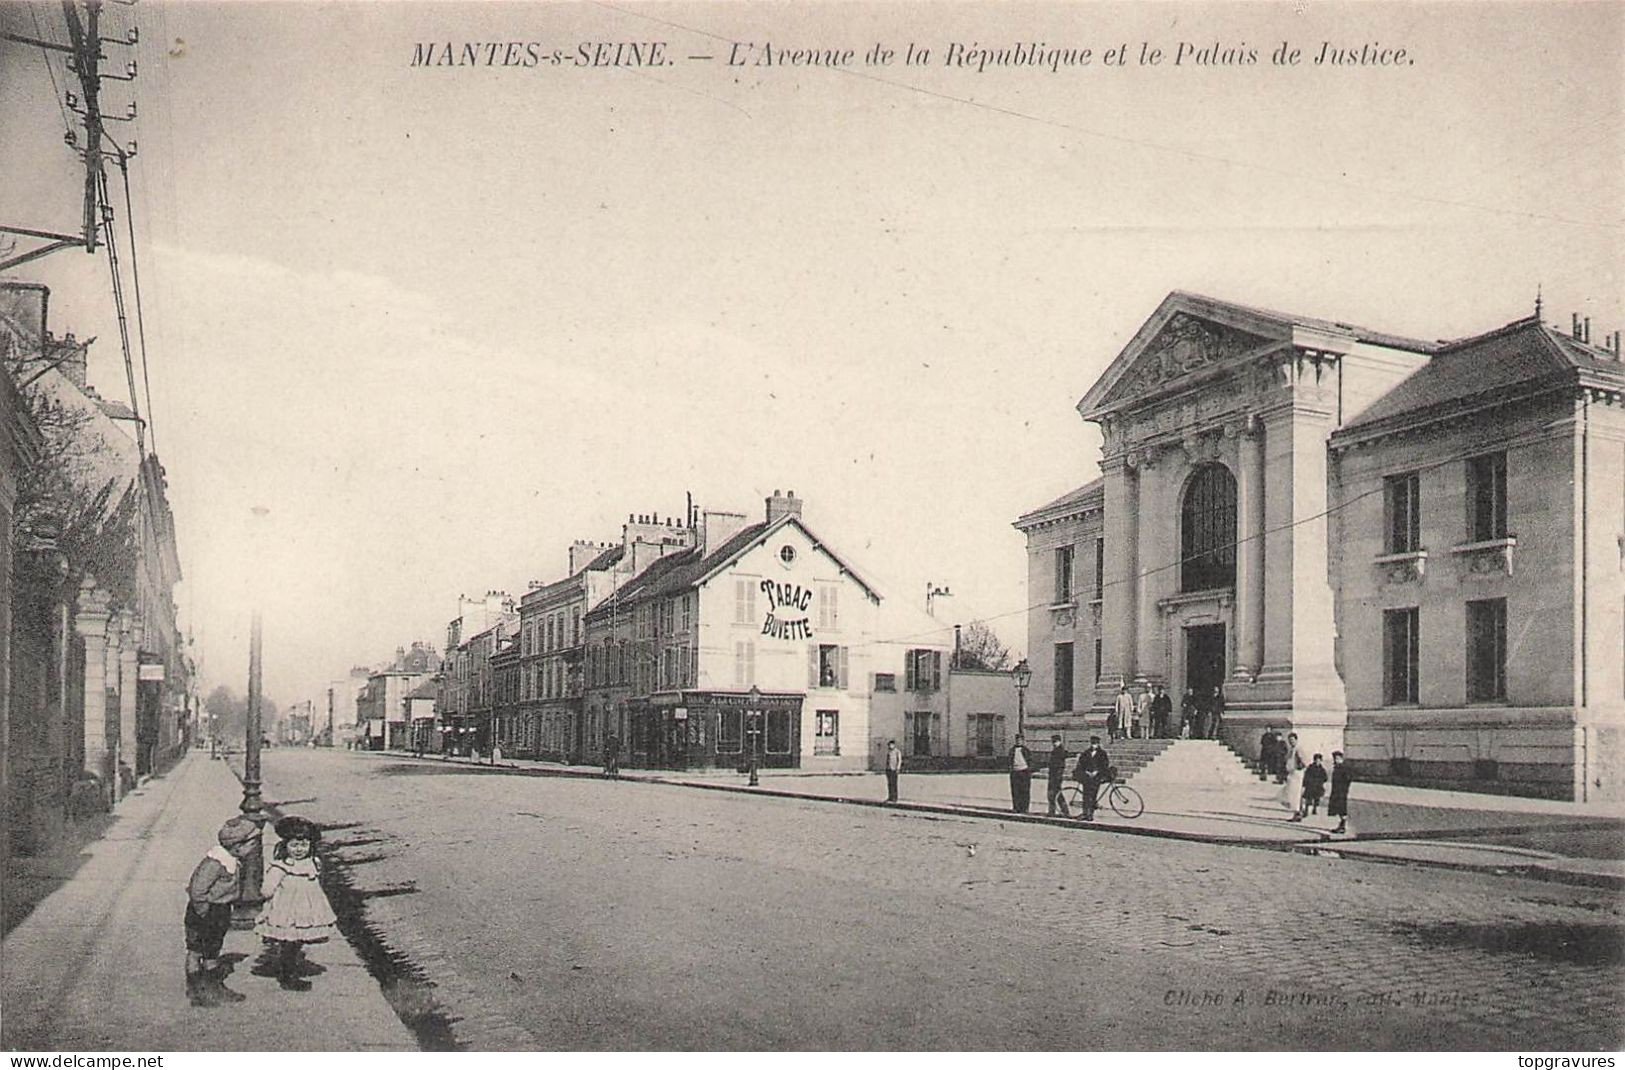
point(129, 647)
point(1119, 610)
point(1250, 556)
point(1155, 550)
point(1300, 625)
point(91, 622)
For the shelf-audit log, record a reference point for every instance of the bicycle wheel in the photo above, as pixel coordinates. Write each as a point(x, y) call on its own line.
point(1072, 796)
point(1125, 801)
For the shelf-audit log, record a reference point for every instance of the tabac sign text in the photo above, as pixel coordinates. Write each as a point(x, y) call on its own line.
point(787, 605)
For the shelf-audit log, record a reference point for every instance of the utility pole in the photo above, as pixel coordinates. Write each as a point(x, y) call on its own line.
point(84, 58)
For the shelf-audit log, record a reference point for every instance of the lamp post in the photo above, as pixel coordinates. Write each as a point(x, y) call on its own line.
point(252, 874)
point(1022, 675)
point(753, 722)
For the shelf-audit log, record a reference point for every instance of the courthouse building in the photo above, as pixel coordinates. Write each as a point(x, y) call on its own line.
point(1410, 551)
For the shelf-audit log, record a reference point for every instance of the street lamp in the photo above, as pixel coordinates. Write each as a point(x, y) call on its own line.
point(253, 864)
point(753, 721)
point(1023, 675)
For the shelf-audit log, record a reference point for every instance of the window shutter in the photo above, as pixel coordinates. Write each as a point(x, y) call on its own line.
point(908, 671)
point(936, 733)
point(812, 666)
point(750, 661)
point(908, 732)
point(936, 670)
point(843, 680)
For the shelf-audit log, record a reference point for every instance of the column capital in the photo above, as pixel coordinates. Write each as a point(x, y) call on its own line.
point(92, 612)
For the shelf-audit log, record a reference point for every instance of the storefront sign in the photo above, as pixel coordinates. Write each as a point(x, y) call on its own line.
point(787, 606)
point(150, 671)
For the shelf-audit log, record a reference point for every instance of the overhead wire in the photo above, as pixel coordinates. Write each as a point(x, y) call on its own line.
point(56, 90)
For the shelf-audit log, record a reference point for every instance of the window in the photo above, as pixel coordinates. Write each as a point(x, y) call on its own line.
point(828, 607)
point(923, 670)
point(778, 731)
point(745, 663)
point(1487, 497)
point(827, 735)
point(1100, 569)
point(686, 617)
point(984, 729)
point(575, 627)
point(1207, 530)
point(885, 681)
point(826, 666)
point(1097, 659)
point(730, 731)
point(920, 732)
point(1400, 640)
point(1404, 507)
point(1063, 574)
point(787, 554)
point(744, 601)
point(1063, 677)
point(1487, 650)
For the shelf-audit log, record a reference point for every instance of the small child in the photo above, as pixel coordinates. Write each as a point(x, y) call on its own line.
point(1314, 785)
point(1338, 805)
point(296, 910)
point(209, 898)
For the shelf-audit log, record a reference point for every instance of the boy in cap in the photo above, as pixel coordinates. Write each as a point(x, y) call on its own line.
point(210, 895)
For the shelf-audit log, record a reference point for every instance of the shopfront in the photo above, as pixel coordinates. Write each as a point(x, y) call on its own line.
point(717, 729)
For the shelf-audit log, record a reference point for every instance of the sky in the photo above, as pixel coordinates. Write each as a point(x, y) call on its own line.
point(438, 322)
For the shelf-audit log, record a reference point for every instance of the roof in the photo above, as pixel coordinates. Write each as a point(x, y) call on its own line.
point(679, 572)
point(1290, 319)
point(605, 559)
point(1226, 333)
point(427, 689)
point(1525, 353)
point(1092, 495)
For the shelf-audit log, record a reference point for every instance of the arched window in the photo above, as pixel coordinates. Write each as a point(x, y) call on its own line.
point(1207, 530)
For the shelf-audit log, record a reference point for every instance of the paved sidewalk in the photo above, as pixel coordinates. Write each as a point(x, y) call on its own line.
point(1395, 824)
point(99, 963)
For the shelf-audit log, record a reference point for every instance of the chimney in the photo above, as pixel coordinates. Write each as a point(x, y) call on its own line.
point(718, 528)
point(1587, 337)
point(1574, 326)
point(75, 358)
point(781, 505)
point(581, 554)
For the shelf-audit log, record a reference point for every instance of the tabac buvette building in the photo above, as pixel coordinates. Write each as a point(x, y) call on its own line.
point(1410, 551)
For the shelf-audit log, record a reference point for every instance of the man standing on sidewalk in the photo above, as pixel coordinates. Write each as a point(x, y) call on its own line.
point(1021, 776)
point(1057, 776)
point(894, 766)
point(1094, 768)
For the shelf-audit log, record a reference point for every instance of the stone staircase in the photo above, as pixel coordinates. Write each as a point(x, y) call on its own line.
point(1190, 763)
point(1132, 755)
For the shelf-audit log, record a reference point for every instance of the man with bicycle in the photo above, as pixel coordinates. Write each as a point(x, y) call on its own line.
point(1094, 769)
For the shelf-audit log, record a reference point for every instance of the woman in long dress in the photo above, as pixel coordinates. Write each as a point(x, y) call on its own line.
point(1292, 791)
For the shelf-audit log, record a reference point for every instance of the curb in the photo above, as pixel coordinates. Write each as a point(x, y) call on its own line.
point(1323, 845)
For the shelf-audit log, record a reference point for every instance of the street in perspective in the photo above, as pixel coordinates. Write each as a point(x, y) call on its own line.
point(598, 528)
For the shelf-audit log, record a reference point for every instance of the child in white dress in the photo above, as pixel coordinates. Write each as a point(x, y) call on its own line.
point(296, 911)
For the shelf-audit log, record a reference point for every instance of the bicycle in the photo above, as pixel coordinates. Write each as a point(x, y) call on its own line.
point(1115, 793)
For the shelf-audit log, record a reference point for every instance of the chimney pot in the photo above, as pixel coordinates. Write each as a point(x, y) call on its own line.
point(1574, 325)
point(1587, 338)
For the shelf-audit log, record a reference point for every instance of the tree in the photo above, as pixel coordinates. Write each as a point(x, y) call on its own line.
point(979, 648)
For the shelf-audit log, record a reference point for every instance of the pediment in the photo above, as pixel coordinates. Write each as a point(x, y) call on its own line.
point(1187, 337)
point(1186, 344)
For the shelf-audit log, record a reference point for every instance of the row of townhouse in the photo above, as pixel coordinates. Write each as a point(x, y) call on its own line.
point(96, 680)
point(695, 642)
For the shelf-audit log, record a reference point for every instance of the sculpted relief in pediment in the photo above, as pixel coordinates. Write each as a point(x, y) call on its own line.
point(1185, 345)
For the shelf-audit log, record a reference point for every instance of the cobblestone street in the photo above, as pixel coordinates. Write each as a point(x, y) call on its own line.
point(572, 913)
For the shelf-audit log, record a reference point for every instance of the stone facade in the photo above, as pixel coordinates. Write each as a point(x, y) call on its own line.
point(1247, 463)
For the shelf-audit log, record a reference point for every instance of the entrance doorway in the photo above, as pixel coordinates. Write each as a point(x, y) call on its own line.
point(1204, 665)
